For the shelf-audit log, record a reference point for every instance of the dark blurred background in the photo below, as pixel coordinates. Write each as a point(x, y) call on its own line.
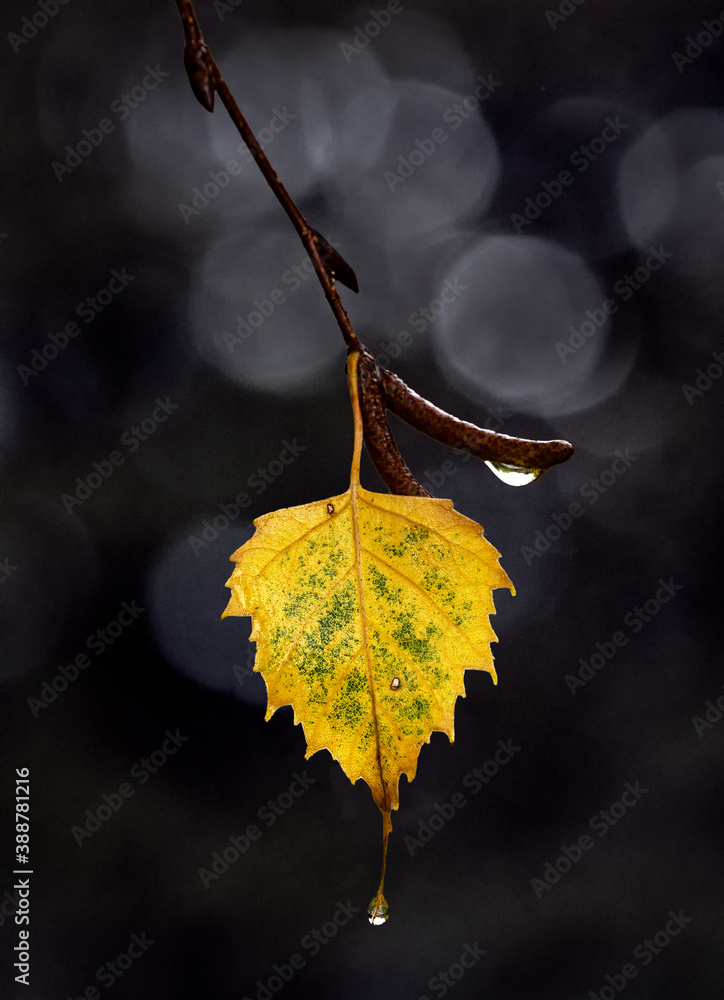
point(560, 171)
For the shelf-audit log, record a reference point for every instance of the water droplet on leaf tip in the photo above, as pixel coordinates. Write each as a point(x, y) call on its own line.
point(378, 911)
point(514, 475)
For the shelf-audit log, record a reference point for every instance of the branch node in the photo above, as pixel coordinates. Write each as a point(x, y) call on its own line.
point(378, 437)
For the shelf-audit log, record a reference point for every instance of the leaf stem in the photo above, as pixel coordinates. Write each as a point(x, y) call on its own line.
point(353, 383)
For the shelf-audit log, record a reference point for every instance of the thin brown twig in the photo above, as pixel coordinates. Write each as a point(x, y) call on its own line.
point(379, 389)
point(205, 78)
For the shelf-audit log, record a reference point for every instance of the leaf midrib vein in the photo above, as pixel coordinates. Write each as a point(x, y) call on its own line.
point(363, 618)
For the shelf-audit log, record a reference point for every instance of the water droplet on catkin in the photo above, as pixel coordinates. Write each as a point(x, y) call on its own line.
point(514, 475)
point(378, 911)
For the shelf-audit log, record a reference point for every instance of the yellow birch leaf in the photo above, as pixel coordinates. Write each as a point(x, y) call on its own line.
point(367, 610)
